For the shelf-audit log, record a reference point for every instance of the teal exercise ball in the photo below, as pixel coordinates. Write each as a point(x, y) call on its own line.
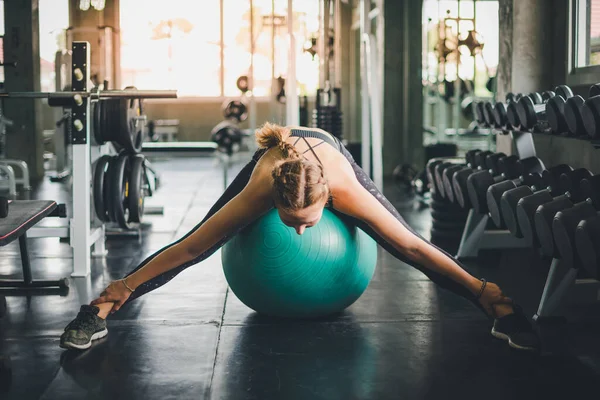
point(277, 272)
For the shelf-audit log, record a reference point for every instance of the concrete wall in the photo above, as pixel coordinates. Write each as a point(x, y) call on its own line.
point(198, 116)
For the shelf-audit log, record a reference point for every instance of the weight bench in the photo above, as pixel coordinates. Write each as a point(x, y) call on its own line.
point(22, 215)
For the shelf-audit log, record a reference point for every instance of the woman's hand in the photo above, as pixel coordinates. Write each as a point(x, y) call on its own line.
point(493, 297)
point(116, 293)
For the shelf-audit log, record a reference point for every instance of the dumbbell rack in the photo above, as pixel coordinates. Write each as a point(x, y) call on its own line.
point(475, 236)
point(562, 279)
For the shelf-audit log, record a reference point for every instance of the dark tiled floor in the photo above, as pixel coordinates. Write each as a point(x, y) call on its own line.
point(404, 338)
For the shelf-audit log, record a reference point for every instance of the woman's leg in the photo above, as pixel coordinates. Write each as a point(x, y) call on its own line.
point(441, 280)
point(240, 181)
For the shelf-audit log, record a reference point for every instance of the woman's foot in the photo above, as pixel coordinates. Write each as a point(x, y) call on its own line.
point(84, 329)
point(516, 329)
point(510, 323)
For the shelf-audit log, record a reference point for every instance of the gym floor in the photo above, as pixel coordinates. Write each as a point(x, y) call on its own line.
point(404, 338)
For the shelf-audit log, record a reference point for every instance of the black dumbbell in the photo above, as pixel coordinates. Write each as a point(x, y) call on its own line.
point(574, 113)
point(545, 213)
point(508, 168)
point(515, 190)
point(530, 113)
point(495, 192)
point(430, 168)
point(590, 112)
point(439, 170)
point(501, 111)
point(512, 109)
point(459, 179)
point(587, 241)
point(488, 114)
point(555, 109)
point(478, 112)
point(3, 207)
point(449, 173)
point(529, 202)
point(566, 221)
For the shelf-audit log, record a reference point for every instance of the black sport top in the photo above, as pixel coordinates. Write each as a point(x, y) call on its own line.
point(303, 134)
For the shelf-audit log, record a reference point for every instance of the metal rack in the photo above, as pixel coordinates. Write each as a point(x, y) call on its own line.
point(84, 230)
point(562, 279)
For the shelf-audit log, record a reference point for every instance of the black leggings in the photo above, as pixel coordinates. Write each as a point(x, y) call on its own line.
point(240, 182)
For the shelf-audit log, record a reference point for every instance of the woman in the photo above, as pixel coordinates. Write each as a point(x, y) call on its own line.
point(300, 171)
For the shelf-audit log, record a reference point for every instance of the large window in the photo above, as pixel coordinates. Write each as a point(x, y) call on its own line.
point(54, 20)
point(584, 42)
point(461, 39)
point(202, 50)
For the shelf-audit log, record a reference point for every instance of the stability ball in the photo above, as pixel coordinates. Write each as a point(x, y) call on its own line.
point(277, 272)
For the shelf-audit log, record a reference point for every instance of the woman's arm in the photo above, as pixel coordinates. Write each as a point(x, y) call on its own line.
point(353, 199)
point(248, 205)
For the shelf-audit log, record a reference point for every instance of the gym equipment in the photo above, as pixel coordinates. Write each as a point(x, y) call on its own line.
point(531, 113)
point(507, 168)
point(459, 179)
point(587, 241)
point(590, 112)
point(439, 170)
point(276, 272)
point(243, 84)
point(501, 111)
point(555, 109)
point(521, 219)
point(545, 213)
point(136, 190)
point(449, 173)
point(566, 221)
point(547, 179)
point(327, 113)
point(494, 194)
point(228, 136)
point(447, 224)
point(23, 215)
point(235, 110)
point(121, 121)
point(120, 186)
point(99, 188)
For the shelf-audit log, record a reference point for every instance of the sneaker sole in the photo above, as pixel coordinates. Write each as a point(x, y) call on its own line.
point(512, 344)
point(95, 336)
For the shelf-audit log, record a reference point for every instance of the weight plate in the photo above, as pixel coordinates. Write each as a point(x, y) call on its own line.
point(100, 171)
point(137, 189)
point(120, 189)
point(108, 187)
point(129, 124)
point(445, 205)
point(96, 122)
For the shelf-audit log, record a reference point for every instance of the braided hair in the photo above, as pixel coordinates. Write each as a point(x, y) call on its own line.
point(297, 182)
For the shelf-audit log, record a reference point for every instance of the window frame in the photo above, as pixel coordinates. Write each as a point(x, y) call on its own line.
point(577, 49)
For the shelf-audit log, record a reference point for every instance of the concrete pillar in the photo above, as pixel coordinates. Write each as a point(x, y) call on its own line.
point(403, 93)
point(106, 49)
point(21, 44)
point(533, 48)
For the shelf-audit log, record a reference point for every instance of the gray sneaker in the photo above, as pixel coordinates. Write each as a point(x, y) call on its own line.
point(85, 328)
